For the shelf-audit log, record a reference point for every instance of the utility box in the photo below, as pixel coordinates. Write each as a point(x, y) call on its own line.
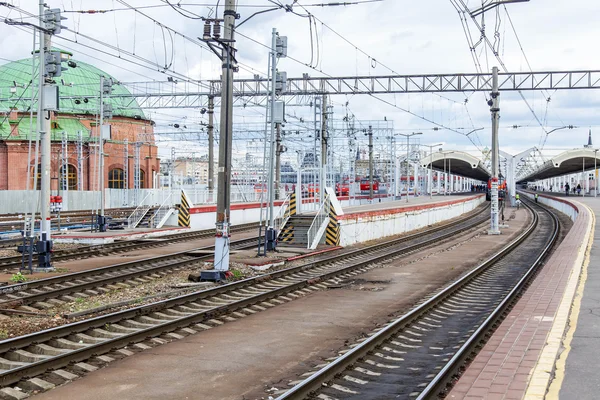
point(106, 132)
point(281, 46)
point(279, 112)
point(280, 81)
point(51, 101)
point(271, 236)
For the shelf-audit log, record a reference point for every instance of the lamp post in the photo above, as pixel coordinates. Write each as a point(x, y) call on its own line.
point(407, 136)
point(431, 146)
point(595, 174)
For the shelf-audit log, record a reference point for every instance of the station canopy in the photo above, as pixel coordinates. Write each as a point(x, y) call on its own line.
point(568, 162)
point(457, 163)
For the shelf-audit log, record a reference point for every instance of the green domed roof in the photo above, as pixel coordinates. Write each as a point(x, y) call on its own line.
point(80, 84)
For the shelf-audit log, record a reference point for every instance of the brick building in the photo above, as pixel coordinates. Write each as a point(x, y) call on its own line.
point(75, 133)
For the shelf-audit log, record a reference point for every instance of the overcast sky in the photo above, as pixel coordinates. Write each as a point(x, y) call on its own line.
point(406, 37)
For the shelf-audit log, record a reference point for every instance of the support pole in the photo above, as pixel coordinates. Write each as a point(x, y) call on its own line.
point(211, 147)
point(44, 246)
point(407, 167)
point(495, 110)
point(80, 186)
point(324, 139)
point(101, 218)
point(370, 133)
point(221, 262)
point(270, 231)
point(277, 161)
point(126, 172)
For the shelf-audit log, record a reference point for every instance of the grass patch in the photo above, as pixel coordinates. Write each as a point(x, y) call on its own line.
point(18, 278)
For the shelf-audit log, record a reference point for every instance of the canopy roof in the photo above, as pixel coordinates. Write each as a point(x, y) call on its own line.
point(458, 163)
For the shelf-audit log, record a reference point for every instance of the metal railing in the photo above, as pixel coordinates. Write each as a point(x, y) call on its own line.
point(283, 215)
point(317, 228)
point(138, 214)
point(156, 221)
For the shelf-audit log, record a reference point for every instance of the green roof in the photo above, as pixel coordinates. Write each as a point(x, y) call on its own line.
point(69, 125)
point(81, 84)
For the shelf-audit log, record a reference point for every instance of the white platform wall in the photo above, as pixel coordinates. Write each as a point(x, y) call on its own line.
point(365, 228)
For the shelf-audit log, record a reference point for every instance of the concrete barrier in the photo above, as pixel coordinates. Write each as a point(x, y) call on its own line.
point(370, 225)
point(562, 205)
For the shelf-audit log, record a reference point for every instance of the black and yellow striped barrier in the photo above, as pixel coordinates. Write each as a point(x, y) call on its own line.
point(287, 233)
point(332, 234)
point(184, 212)
point(292, 209)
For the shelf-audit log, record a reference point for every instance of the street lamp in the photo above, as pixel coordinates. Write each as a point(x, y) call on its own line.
point(474, 130)
point(431, 146)
point(408, 135)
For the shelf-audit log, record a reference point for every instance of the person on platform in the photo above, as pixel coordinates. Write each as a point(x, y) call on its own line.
point(578, 189)
point(536, 197)
point(567, 187)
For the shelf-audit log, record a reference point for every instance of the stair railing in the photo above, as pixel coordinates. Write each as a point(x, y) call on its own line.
point(156, 221)
point(136, 216)
point(283, 215)
point(316, 228)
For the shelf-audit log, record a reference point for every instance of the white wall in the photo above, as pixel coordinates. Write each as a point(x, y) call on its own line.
point(362, 229)
point(565, 208)
point(207, 220)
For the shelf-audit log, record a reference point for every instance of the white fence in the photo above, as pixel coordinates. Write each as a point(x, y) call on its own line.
point(21, 201)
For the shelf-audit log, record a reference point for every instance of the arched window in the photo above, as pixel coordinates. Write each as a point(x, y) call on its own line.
point(142, 178)
point(37, 183)
point(115, 179)
point(71, 177)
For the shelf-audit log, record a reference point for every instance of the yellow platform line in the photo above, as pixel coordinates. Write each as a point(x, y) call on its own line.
point(550, 362)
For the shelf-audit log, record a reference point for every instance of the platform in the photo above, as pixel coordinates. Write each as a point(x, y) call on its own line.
point(549, 343)
point(411, 203)
point(111, 236)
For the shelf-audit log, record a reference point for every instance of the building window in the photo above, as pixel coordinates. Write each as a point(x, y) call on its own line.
point(115, 179)
point(37, 183)
point(71, 177)
point(142, 179)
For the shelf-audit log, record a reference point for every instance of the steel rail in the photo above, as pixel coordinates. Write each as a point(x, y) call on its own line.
point(266, 282)
point(116, 247)
point(439, 382)
point(175, 262)
point(338, 366)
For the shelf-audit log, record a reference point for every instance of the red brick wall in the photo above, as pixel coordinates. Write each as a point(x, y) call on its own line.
point(14, 160)
point(3, 167)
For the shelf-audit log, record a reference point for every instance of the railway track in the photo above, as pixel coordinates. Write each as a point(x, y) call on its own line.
point(69, 287)
point(35, 354)
point(11, 222)
point(8, 243)
point(10, 263)
point(417, 355)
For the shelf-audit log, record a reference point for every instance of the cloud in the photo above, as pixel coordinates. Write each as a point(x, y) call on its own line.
point(373, 39)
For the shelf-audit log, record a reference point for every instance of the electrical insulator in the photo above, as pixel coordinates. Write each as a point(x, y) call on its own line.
point(217, 30)
point(107, 86)
point(281, 46)
point(53, 19)
point(53, 67)
point(280, 81)
point(107, 111)
point(206, 35)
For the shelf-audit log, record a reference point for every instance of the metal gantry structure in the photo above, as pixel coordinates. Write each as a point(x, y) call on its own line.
point(166, 94)
point(257, 90)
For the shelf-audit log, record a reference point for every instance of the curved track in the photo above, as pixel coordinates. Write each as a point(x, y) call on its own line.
point(416, 355)
point(33, 354)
